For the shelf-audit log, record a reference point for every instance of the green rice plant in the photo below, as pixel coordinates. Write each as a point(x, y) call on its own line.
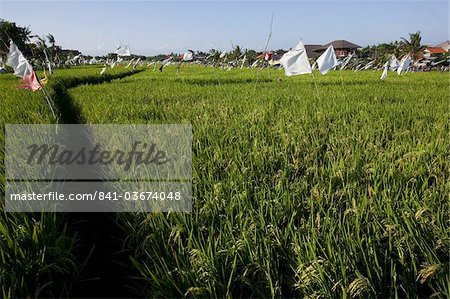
point(338, 191)
point(333, 186)
point(36, 249)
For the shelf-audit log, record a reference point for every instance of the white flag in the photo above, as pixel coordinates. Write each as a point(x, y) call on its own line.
point(295, 62)
point(393, 65)
point(48, 62)
point(18, 62)
point(131, 61)
point(404, 64)
point(243, 61)
point(346, 61)
point(327, 60)
point(123, 50)
point(385, 71)
point(166, 61)
point(188, 56)
point(103, 70)
point(136, 63)
point(369, 65)
point(76, 59)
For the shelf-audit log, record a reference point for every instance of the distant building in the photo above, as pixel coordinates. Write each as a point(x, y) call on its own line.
point(342, 48)
point(310, 50)
point(433, 52)
point(276, 55)
point(69, 53)
point(444, 45)
point(201, 56)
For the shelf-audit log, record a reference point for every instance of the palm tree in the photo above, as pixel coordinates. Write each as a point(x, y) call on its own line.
point(236, 52)
point(20, 36)
point(213, 55)
point(413, 45)
point(51, 40)
point(41, 49)
point(41, 42)
point(54, 49)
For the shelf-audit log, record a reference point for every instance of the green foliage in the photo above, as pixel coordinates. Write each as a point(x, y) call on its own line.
point(381, 52)
point(20, 36)
point(413, 45)
point(36, 251)
point(235, 53)
point(33, 51)
point(251, 56)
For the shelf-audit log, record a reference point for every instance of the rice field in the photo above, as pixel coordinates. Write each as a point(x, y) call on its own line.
point(325, 186)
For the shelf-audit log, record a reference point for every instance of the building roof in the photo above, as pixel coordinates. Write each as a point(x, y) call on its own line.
point(339, 44)
point(435, 50)
point(310, 50)
point(444, 45)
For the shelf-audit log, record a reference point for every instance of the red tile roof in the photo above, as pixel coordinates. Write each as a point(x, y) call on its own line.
point(436, 50)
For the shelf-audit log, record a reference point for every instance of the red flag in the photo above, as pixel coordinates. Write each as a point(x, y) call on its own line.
point(31, 82)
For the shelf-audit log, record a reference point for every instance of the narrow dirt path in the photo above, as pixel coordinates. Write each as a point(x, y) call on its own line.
point(99, 237)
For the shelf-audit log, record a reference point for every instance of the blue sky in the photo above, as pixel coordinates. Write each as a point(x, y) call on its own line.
point(152, 27)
